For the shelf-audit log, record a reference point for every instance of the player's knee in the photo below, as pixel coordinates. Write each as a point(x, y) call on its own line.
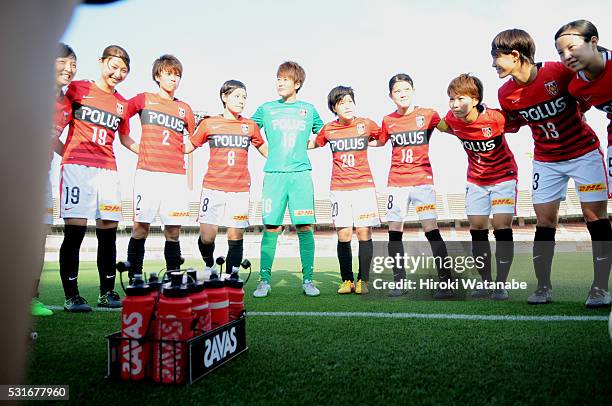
point(172, 233)
point(140, 231)
point(304, 227)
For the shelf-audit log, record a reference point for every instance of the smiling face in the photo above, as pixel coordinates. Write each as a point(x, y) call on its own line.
point(576, 52)
point(65, 69)
point(461, 105)
point(345, 108)
point(235, 101)
point(114, 71)
point(506, 64)
point(402, 94)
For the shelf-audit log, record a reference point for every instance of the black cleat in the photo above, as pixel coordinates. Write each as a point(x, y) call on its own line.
point(76, 304)
point(110, 300)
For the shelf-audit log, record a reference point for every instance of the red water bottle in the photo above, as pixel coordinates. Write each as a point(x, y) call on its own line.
point(235, 294)
point(172, 330)
point(217, 300)
point(136, 316)
point(199, 303)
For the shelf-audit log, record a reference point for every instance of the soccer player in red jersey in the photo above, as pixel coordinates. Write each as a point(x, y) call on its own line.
point(577, 44)
point(565, 147)
point(353, 196)
point(409, 129)
point(89, 187)
point(65, 69)
point(160, 185)
point(491, 177)
point(225, 190)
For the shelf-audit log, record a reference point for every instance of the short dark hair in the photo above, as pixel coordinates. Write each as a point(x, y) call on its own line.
point(65, 51)
point(584, 28)
point(400, 77)
point(168, 63)
point(115, 51)
point(294, 71)
point(337, 94)
point(228, 87)
point(514, 40)
point(467, 85)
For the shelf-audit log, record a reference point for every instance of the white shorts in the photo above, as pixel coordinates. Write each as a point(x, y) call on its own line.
point(161, 193)
point(48, 214)
point(422, 197)
point(90, 193)
point(354, 208)
point(227, 209)
point(609, 162)
point(589, 174)
point(490, 199)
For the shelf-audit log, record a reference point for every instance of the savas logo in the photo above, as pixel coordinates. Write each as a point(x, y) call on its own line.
point(219, 347)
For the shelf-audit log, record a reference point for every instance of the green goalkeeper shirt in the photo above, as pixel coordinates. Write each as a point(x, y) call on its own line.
point(288, 127)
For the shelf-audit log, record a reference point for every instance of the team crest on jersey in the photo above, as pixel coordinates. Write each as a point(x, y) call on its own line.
point(181, 112)
point(303, 112)
point(552, 88)
point(420, 121)
point(487, 132)
point(119, 108)
point(244, 128)
point(361, 128)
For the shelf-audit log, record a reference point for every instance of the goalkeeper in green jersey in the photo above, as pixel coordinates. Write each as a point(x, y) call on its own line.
point(288, 124)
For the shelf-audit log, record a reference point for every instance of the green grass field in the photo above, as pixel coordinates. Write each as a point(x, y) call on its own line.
point(339, 360)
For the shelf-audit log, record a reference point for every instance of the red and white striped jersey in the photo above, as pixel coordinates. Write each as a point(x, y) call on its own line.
point(557, 125)
point(349, 146)
point(96, 116)
point(410, 135)
point(163, 123)
point(490, 160)
point(229, 141)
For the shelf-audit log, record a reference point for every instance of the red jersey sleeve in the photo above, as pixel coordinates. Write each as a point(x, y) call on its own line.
point(383, 136)
point(135, 105)
point(256, 138)
point(373, 129)
point(189, 119)
point(435, 119)
point(198, 138)
point(321, 140)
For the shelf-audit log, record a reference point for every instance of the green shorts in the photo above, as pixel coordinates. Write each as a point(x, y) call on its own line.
point(282, 189)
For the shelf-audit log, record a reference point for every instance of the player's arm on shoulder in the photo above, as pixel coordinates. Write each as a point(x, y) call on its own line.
point(444, 127)
point(319, 140)
point(317, 123)
point(198, 138)
point(258, 116)
point(263, 150)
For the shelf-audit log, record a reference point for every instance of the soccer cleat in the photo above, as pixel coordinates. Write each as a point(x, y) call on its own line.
point(39, 309)
point(542, 295)
point(397, 292)
point(499, 294)
point(442, 294)
point(310, 289)
point(346, 287)
point(76, 304)
point(263, 289)
point(362, 288)
point(110, 300)
point(597, 298)
point(480, 293)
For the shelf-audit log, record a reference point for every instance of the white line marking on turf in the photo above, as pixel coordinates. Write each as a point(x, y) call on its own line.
point(379, 315)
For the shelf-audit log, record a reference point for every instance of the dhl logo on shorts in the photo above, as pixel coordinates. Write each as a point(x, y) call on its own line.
point(241, 217)
point(366, 216)
point(112, 208)
point(179, 214)
point(425, 207)
point(301, 213)
point(594, 187)
point(502, 202)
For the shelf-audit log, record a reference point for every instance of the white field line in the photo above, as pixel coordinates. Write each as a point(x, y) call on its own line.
point(379, 315)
